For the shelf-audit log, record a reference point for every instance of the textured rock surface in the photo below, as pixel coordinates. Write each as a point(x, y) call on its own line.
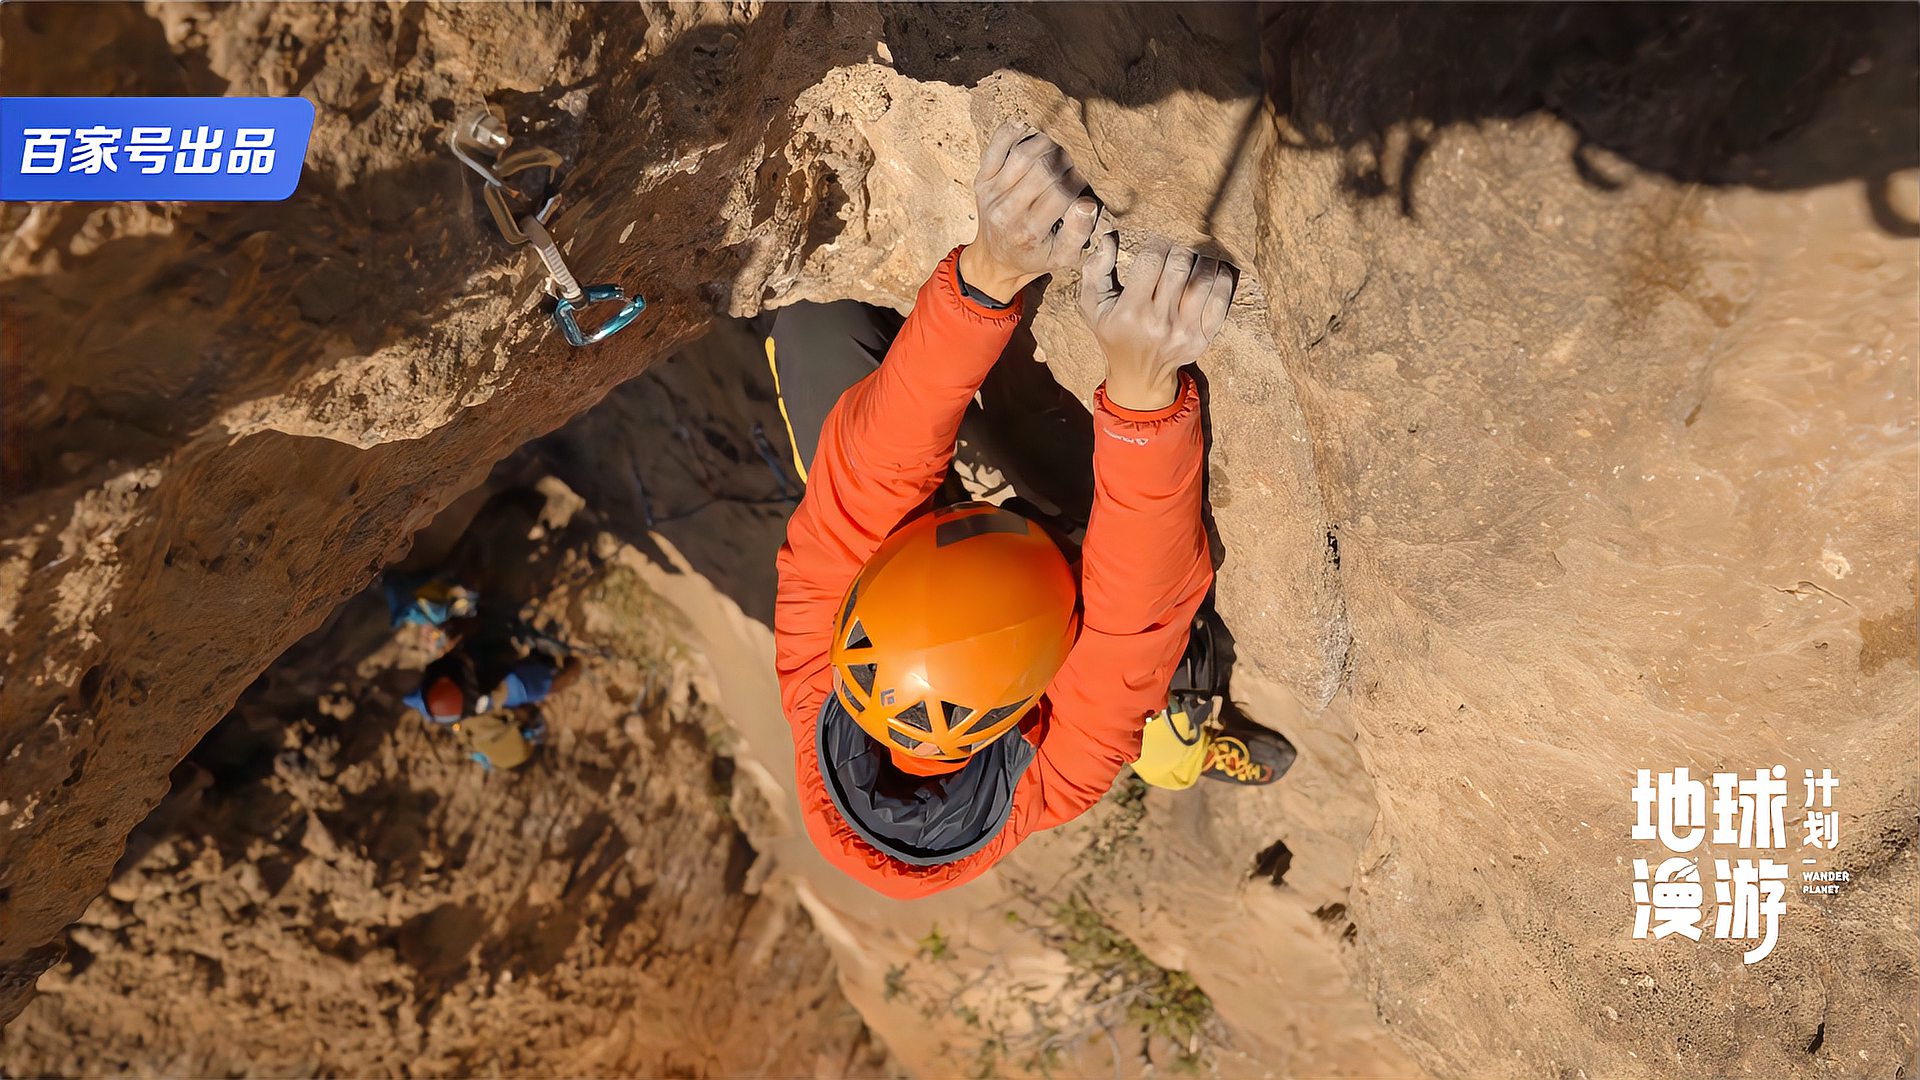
point(331, 888)
point(1564, 426)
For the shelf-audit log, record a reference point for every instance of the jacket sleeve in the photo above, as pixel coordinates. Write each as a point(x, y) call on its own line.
point(1145, 568)
point(884, 449)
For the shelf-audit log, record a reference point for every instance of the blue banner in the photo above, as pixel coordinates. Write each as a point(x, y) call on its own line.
point(152, 149)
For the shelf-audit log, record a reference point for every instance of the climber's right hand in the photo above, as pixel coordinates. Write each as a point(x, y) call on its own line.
point(1033, 218)
point(1174, 302)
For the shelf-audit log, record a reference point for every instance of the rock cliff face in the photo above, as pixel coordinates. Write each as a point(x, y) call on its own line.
point(332, 888)
point(1564, 426)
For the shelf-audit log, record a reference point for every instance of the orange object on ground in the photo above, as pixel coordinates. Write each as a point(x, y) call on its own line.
point(1145, 570)
point(445, 701)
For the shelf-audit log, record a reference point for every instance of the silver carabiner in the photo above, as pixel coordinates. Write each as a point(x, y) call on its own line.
point(483, 132)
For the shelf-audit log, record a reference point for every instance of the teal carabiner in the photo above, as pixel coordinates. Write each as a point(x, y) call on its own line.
point(563, 310)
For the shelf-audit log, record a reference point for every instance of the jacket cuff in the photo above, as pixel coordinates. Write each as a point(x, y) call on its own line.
point(949, 278)
point(1185, 401)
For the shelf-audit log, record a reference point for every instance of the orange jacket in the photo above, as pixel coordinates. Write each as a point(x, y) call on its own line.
point(1144, 571)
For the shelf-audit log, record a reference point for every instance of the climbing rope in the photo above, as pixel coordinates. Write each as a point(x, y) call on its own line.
point(481, 134)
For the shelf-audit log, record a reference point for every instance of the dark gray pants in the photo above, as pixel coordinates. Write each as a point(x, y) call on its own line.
point(1025, 425)
point(818, 351)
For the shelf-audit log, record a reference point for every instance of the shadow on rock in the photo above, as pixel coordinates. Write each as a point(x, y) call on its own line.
point(1771, 97)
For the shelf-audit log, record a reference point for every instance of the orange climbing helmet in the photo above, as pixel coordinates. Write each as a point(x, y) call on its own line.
point(953, 629)
point(445, 702)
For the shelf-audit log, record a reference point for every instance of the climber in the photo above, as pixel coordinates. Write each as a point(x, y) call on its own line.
point(483, 689)
point(910, 641)
point(427, 600)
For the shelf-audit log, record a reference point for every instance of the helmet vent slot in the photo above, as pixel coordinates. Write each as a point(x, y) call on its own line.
point(857, 637)
point(915, 716)
point(862, 674)
point(994, 716)
point(956, 715)
point(966, 527)
point(906, 742)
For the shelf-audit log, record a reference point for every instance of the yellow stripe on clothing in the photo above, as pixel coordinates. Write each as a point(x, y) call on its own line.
point(792, 443)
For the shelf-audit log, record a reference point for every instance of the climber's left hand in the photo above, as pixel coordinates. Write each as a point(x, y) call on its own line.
point(1034, 216)
point(1174, 303)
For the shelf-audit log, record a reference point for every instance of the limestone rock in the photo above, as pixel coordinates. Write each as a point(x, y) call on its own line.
point(1564, 425)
